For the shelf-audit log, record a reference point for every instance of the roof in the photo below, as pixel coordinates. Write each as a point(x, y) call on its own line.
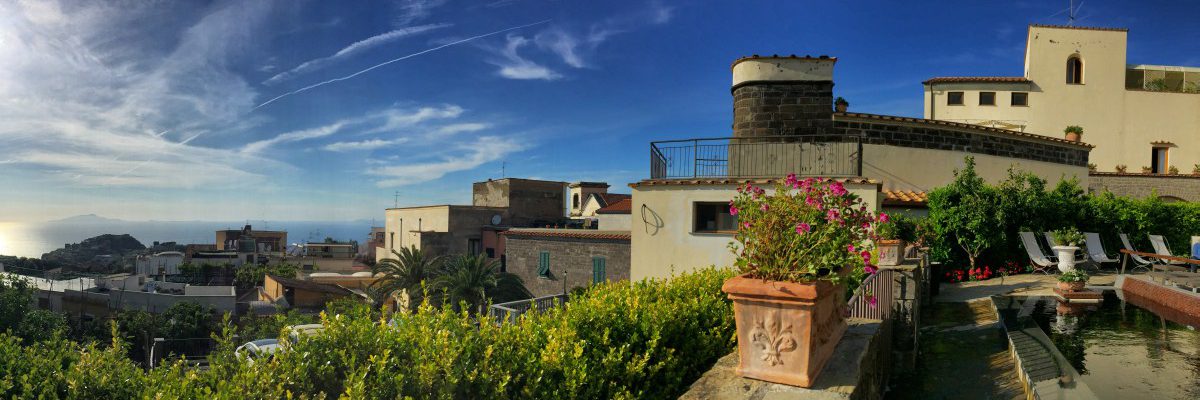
point(624, 206)
point(589, 184)
point(310, 286)
point(977, 79)
point(998, 131)
point(1083, 28)
point(776, 56)
point(568, 233)
point(608, 199)
point(739, 181)
point(904, 198)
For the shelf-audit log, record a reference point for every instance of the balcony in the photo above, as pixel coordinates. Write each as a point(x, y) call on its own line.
point(757, 157)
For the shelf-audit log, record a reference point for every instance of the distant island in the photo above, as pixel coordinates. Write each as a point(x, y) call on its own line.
point(86, 218)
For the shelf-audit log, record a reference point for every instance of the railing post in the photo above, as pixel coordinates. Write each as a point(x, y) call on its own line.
point(695, 157)
point(860, 156)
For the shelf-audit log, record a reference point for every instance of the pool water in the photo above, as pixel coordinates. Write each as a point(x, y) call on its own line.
point(1118, 349)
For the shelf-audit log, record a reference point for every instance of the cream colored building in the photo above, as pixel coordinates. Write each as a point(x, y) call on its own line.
point(1136, 115)
point(783, 121)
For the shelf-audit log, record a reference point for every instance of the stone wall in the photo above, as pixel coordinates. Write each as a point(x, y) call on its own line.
point(529, 201)
point(574, 255)
point(1169, 187)
point(938, 135)
point(782, 108)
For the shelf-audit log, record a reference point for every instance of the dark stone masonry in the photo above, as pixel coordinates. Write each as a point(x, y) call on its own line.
point(782, 108)
point(1167, 187)
point(929, 135)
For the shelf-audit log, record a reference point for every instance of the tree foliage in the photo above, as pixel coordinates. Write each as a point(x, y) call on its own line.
point(476, 280)
point(965, 213)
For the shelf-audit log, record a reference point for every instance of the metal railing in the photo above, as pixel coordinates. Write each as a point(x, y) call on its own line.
point(1018, 125)
point(879, 286)
point(512, 310)
point(757, 157)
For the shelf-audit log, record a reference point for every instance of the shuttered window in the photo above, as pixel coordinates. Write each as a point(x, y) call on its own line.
point(598, 272)
point(544, 264)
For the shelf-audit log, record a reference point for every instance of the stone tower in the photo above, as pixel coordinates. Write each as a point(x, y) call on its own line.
point(782, 95)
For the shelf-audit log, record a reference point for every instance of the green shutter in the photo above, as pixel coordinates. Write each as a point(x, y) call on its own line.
point(598, 273)
point(544, 264)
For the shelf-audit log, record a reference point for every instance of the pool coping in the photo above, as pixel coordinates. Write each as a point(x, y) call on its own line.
point(1036, 356)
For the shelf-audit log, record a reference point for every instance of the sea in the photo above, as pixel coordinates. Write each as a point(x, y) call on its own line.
point(25, 239)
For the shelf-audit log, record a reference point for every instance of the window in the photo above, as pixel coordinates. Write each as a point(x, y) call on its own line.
point(1020, 99)
point(714, 218)
point(544, 264)
point(575, 200)
point(473, 246)
point(987, 98)
point(954, 98)
point(1158, 160)
point(1074, 70)
point(491, 252)
point(598, 272)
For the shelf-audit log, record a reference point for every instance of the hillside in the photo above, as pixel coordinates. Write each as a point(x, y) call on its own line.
point(91, 251)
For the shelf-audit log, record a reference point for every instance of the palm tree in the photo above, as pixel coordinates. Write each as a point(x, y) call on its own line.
point(405, 272)
point(476, 280)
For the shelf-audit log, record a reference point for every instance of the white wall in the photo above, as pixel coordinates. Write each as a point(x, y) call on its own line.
point(662, 240)
point(613, 222)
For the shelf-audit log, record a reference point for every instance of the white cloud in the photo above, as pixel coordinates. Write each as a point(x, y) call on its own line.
point(387, 120)
point(513, 66)
point(460, 157)
point(353, 48)
point(92, 96)
point(415, 10)
point(574, 47)
point(371, 144)
point(294, 136)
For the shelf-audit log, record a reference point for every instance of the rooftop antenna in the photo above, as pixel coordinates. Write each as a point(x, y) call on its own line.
point(1072, 10)
point(502, 165)
point(397, 199)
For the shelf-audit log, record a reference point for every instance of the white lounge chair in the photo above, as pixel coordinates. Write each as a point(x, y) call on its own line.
point(1095, 250)
point(1160, 247)
point(1041, 262)
point(1141, 262)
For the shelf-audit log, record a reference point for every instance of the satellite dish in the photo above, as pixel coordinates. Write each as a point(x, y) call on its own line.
point(496, 219)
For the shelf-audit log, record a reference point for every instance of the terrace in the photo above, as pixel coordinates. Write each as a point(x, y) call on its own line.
point(757, 157)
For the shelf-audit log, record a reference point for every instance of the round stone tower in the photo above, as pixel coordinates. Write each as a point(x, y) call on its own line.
point(782, 95)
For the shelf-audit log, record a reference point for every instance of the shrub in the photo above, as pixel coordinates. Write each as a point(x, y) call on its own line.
point(802, 231)
point(1068, 236)
point(1075, 275)
point(965, 214)
point(622, 340)
point(1074, 129)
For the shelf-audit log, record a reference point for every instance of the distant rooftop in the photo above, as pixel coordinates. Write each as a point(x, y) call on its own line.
point(1084, 28)
point(568, 233)
point(977, 79)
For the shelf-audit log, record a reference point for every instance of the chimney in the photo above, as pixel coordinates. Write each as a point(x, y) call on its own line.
point(782, 95)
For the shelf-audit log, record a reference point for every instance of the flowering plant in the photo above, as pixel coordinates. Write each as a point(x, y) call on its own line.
point(803, 231)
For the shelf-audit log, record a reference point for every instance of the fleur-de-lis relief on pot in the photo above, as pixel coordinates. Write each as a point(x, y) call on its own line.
point(772, 337)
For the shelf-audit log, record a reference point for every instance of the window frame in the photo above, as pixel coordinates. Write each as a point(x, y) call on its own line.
point(1012, 100)
point(543, 265)
point(1073, 72)
point(962, 98)
point(599, 270)
point(993, 103)
point(721, 208)
point(1154, 159)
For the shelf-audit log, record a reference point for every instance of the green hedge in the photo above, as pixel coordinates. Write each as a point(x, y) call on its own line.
point(1024, 202)
point(648, 339)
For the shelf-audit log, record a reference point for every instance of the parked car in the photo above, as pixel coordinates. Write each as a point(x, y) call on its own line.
point(265, 348)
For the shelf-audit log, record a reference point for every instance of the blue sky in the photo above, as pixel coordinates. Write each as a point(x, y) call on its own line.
point(283, 111)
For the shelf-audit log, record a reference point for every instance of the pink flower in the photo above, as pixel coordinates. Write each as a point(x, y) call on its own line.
point(733, 210)
point(810, 201)
point(791, 181)
point(746, 225)
point(837, 189)
point(872, 300)
point(883, 217)
point(765, 207)
point(850, 248)
point(870, 269)
point(866, 256)
point(803, 228)
point(831, 214)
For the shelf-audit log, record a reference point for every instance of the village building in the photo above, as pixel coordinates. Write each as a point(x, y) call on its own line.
point(1143, 119)
point(553, 261)
point(784, 122)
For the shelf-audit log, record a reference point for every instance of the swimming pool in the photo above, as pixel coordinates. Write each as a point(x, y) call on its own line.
point(1117, 349)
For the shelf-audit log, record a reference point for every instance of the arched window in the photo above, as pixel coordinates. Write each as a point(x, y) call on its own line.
point(575, 200)
point(1074, 70)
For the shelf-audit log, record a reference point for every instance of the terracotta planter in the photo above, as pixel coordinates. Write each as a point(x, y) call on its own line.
point(891, 252)
point(1071, 286)
point(786, 331)
point(1072, 136)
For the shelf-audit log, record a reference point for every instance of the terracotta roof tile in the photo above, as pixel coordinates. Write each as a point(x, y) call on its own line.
point(568, 233)
point(613, 198)
point(738, 181)
point(1006, 132)
point(977, 79)
point(623, 206)
point(1085, 28)
point(904, 198)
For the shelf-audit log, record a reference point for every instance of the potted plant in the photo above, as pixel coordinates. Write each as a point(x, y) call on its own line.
point(1146, 170)
point(1068, 243)
point(895, 234)
point(795, 248)
point(1072, 281)
point(840, 104)
point(1091, 167)
point(1074, 132)
point(1121, 168)
point(1173, 170)
point(1196, 169)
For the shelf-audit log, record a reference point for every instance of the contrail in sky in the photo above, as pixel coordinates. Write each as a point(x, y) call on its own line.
point(432, 49)
point(316, 85)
